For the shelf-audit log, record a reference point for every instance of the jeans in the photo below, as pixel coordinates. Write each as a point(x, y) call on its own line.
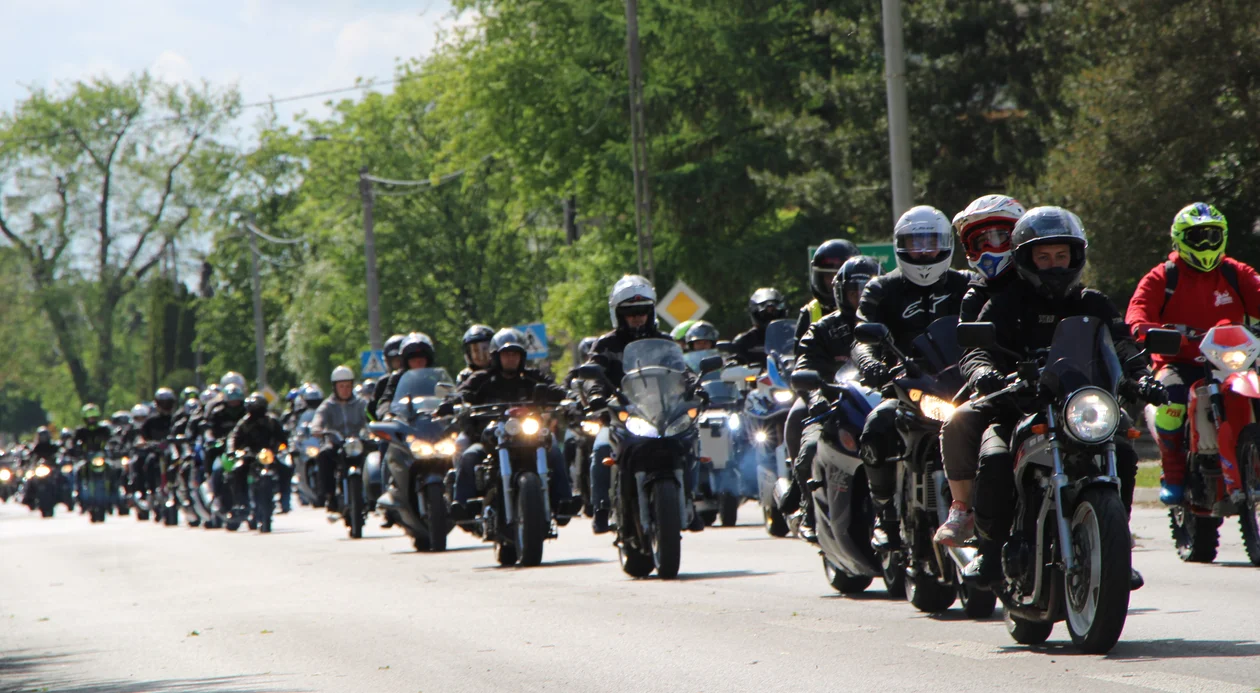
point(558, 482)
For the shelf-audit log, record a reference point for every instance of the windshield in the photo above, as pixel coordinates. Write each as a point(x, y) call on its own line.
point(1081, 354)
point(419, 388)
point(653, 352)
point(721, 393)
point(655, 380)
point(693, 358)
point(781, 337)
point(938, 350)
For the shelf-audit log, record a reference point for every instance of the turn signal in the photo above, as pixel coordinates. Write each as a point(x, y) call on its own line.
point(1040, 429)
point(1133, 434)
point(623, 415)
point(608, 462)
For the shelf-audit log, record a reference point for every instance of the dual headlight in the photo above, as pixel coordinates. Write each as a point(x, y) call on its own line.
point(528, 426)
point(1092, 415)
point(421, 448)
point(641, 427)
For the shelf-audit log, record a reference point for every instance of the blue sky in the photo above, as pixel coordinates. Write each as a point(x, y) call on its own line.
point(269, 48)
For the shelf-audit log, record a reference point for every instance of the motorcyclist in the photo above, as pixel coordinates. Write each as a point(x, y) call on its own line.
point(701, 336)
point(679, 333)
point(393, 361)
point(416, 352)
point(91, 436)
point(158, 426)
point(764, 307)
point(344, 414)
point(232, 378)
point(984, 228)
point(256, 430)
point(508, 380)
point(632, 310)
point(1050, 253)
point(824, 348)
point(223, 414)
point(476, 351)
point(368, 392)
point(44, 448)
point(919, 291)
point(188, 393)
point(1198, 288)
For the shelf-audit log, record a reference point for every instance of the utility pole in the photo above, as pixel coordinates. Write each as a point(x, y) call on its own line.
point(898, 111)
point(369, 251)
point(638, 144)
point(260, 353)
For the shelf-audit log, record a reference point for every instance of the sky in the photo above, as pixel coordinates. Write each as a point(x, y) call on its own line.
point(268, 48)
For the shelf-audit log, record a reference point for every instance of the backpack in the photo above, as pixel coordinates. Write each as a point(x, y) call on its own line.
point(1170, 273)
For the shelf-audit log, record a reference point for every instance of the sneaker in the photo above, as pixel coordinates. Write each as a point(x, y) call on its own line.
point(958, 528)
point(1171, 494)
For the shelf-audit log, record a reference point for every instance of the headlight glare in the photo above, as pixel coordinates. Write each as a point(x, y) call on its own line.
point(42, 471)
point(311, 451)
point(1092, 415)
point(266, 456)
point(784, 396)
point(5, 475)
point(761, 436)
point(419, 448)
point(1235, 359)
point(935, 408)
point(640, 427)
point(67, 468)
point(733, 423)
point(591, 428)
point(530, 426)
point(445, 448)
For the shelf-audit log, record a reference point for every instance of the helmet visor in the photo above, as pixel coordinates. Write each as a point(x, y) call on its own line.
point(993, 239)
point(635, 310)
point(1204, 237)
point(924, 248)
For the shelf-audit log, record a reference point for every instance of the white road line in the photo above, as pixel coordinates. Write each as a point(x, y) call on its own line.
point(819, 626)
point(1173, 683)
point(978, 651)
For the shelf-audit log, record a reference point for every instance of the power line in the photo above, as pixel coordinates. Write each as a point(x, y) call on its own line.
point(258, 232)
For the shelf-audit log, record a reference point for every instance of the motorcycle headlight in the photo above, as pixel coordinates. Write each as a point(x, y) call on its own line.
point(42, 471)
point(733, 423)
point(761, 436)
point(936, 408)
point(592, 428)
point(311, 451)
point(420, 448)
point(678, 425)
point(5, 475)
point(67, 468)
point(126, 461)
point(530, 426)
point(445, 448)
point(1233, 360)
point(98, 461)
point(512, 427)
point(640, 427)
point(353, 447)
point(266, 456)
point(1092, 415)
point(784, 396)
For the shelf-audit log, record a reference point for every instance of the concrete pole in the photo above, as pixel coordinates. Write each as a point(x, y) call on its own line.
point(898, 111)
point(638, 141)
point(260, 352)
point(369, 251)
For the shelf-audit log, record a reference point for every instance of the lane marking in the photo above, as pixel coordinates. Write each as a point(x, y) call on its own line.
point(967, 649)
point(819, 626)
point(1173, 683)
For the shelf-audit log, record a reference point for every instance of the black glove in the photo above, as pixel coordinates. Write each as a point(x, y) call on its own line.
point(818, 408)
point(1151, 390)
point(988, 382)
point(598, 403)
point(446, 408)
point(875, 374)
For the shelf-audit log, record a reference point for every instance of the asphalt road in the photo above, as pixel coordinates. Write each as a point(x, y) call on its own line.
point(130, 607)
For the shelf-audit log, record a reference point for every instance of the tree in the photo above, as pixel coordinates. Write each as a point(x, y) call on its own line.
point(94, 193)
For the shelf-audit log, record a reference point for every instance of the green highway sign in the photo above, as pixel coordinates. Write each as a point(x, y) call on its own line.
point(880, 251)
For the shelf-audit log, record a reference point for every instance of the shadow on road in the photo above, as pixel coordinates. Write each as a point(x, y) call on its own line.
point(1176, 648)
point(29, 670)
point(449, 549)
point(574, 561)
point(723, 574)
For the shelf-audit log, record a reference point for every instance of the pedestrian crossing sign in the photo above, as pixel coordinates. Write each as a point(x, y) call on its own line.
point(536, 346)
point(372, 364)
point(682, 303)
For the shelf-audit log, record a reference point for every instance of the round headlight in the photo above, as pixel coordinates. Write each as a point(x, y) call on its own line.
point(761, 436)
point(311, 451)
point(42, 471)
point(67, 468)
point(98, 461)
point(733, 422)
point(512, 427)
point(353, 447)
point(266, 456)
point(591, 428)
point(640, 427)
point(530, 426)
point(5, 474)
point(784, 396)
point(1092, 415)
point(126, 461)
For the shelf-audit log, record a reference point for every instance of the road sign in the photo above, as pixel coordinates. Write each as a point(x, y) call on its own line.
point(682, 303)
point(372, 364)
point(536, 346)
point(880, 251)
point(270, 395)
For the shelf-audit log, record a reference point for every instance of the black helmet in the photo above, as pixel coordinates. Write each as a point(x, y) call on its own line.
point(584, 348)
point(1049, 226)
point(43, 435)
point(854, 274)
point(827, 260)
point(233, 393)
point(416, 344)
point(475, 335)
point(164, 399)
point(256, 403)
point(506, 339)
point(66, 434)
point(392, 345)
point(765, 306)
point(369, 387)
point(700, 330)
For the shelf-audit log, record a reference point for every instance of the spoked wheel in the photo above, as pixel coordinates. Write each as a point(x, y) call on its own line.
point(842, 582)
point(354, 505)
point(1195, 537)
point(1249, 470)
point(1027, 632)
point(667, 537)
point(1097, 590)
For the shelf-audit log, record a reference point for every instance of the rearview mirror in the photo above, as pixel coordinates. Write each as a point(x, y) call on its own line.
point(710, 363)
point(870, 333)
point(806, 380)
point(977, 335)
point(1163, 342)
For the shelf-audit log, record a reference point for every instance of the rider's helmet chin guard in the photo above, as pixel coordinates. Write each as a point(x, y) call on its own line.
point(1199, 234)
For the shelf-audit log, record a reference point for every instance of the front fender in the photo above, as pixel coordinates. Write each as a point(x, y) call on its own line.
point(1245, 383)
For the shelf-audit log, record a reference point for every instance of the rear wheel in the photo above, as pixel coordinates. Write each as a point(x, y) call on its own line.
point(1097, 590)
point(142, 515)
point(635, 563)
point(435, 505)
point(1027, 632)
point(709, 517)
point(667, 537)
point(977, 603)
point(531, 519)
point(1249, 469)
point(354, 505)
point(928, 594)
point(172, 516)
point(1195, 537)
point(728, 509)
point(842, 582)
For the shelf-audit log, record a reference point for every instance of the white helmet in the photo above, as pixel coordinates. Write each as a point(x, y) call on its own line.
point(631, 291)
point(924, 243)
point(140, 412)
point(342, 373)
point(232, 378)
point(984, 228)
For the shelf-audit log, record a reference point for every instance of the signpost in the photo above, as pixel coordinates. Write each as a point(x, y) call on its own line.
point(880, 251)
point(372, 364)
point(536, 345)
point(681, 304)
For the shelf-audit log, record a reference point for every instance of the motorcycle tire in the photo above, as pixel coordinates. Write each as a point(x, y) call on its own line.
point(439, 522)
point(354, 506)
point(728, 509)
point(47, 509)
point(667, 537)
point(842, 582)
point(1249, 470)
point(776, 524)
point(928, 594)
point(505, 553)
point(172, 516)
point(634, 563)
point(142, 515)
point(124, 510)
point(264, 504)
point(232, 525)
point(1027, 632)
point(709, 517)
point(1096, 596)
point(977, 604)
point(531, 519)
point(894, 575)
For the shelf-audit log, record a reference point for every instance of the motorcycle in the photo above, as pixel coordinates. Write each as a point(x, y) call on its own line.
point(254, 472)
point(1223, 441)
point(166, 490)
point(653, 418)
point(351, 454)
point(303, 451)
point(515, 507)
point(41, 487)
point(419, 454)
point(721, 488)
point(184, 488)
point(765, 409)
point(96, 494)
point(8, 480)
point(582, 435)
point(1068, 556)
point(67, 481)
point(145, 469)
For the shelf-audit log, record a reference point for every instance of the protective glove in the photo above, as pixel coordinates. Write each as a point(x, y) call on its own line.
point(989, 381)
point(875, 374)
point(818, 408)
point(1151, 390)
point(598, 403)
point(446, 408)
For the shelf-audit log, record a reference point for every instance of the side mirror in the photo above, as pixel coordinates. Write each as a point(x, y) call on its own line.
point(443, 390)
point(590, 371)
point(710, 364)
point(726, 347)
point(870, 333)
point(977, 335)
point(1163, 342)
point(806, 380)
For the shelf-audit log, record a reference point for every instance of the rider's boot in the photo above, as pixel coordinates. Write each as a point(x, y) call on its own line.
point(886, 532)
point(986, 568)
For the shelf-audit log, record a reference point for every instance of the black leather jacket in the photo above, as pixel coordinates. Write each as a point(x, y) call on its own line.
point(607, 351)
point(906, 308)
point(826, 347)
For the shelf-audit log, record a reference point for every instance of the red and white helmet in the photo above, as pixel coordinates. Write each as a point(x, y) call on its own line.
point(984, 228)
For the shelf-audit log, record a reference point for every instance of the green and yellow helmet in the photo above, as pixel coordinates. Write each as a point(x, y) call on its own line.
point(90, 411)
point(680, 332)
point(1199, 233)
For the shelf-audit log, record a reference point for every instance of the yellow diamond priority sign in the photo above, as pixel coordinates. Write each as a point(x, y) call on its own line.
point(682, 303)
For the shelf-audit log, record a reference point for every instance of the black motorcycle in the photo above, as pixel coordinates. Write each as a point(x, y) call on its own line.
point(349, 454)
point(1068, 556)
point(41, 487)
point(653, 418)
point(96, 492)
point(419, 454)
point(259, 469)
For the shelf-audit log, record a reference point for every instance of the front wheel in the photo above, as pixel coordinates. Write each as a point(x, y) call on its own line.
point(354, 505)
point(728, 509)
point(977, 603)
point(1027, 632)
point(435, 504)
point(1195, 537)
point(927, 594)
point(776, 524)
point(264, 503)
point(531, 519)
point(667, 535)
point(505, 553)
point(842, 582)
point(1249, 471)
point(1097, 589)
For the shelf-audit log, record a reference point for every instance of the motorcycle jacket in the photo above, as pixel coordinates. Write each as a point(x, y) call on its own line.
point(979, 291)
point(1193, 301)
point(608, 350)
point(906, 308)
point(826, 347)
point(1026, 320)
point(255, 432)
point(492, 387)
point(157, 428)
point(466, 374)
point(750, 347)
point(345, 417)
point(44, 451)
point(91, 438)
point(221, 419)
point(390, 383)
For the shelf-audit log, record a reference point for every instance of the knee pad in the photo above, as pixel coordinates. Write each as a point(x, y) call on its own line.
point(1170, 418)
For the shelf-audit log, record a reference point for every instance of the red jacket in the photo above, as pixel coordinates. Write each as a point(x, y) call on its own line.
point(1200, 301)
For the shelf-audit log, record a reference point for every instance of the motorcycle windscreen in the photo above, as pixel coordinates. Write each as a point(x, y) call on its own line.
point(1081, 354)
point(693, 359)
point(655, 380)
point(938, 348)
point(781, 338)
point(721, 393)
point(418, 391)
point(653, 352)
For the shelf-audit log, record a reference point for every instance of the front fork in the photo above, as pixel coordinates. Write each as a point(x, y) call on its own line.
point(505, 476)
